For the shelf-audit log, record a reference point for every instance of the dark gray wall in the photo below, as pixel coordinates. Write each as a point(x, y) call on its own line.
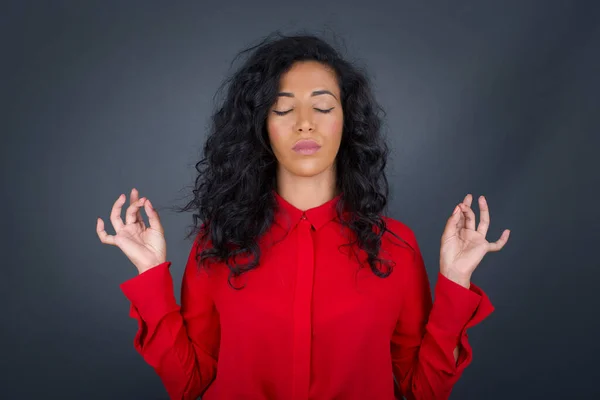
point(495, 98)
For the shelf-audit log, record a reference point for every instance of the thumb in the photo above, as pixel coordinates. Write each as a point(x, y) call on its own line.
point(451, 226)
point(153, 217)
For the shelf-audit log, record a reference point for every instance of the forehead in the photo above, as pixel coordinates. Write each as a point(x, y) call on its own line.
point(307, 76)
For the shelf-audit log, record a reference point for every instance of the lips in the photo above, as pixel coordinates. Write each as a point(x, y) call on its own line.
point(307, 144)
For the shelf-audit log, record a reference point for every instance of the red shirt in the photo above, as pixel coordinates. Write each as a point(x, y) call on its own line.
point(307, 325)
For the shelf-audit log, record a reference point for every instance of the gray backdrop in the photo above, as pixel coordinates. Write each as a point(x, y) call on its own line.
point(494, 98)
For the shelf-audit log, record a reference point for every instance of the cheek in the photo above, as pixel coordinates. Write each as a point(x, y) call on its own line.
point(333, 129)
point(337, 127)
point(276, 134)
point(273, 130)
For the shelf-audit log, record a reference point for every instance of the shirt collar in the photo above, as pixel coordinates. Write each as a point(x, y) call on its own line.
point(287, 215)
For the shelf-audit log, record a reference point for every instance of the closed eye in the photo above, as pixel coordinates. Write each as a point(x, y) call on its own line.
point(324, 111)
point(317, 109)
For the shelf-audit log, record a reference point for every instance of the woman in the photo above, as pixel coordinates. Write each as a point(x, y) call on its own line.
point(296, 285)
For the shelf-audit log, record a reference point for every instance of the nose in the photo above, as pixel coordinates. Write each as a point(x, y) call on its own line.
point(304, 122)
point(308, 128)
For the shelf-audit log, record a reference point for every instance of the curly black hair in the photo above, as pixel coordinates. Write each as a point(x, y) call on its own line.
point(233, 195)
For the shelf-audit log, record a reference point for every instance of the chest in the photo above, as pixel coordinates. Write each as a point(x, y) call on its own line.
point(317, 278)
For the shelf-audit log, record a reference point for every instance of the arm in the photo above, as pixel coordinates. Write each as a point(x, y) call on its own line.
point(180, 343)
point(429, 345)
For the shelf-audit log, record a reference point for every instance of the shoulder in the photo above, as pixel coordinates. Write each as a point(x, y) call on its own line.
point(398, 232)
point(399, 242)
point(402, 245)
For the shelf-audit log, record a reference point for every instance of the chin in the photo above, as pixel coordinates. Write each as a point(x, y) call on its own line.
point(307, 169)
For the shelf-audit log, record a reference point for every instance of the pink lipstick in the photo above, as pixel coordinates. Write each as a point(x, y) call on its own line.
point(306, 147)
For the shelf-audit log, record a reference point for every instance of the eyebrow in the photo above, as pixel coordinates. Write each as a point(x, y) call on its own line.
point(315, 93)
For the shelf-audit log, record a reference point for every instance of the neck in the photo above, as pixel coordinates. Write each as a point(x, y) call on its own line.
point(305, 192)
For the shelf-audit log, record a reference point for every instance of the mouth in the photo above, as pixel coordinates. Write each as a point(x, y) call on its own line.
point(306, 147)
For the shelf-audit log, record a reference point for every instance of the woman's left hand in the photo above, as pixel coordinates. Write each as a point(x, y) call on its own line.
point(463, 247)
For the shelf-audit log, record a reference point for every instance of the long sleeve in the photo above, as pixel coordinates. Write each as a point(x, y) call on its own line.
point(180, 343)
point(426, 334)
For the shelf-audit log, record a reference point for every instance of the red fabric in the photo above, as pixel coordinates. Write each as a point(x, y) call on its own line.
point(307, 325)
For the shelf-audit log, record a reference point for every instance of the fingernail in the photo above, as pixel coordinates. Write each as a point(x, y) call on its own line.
point(149, 204)
point(455, 210)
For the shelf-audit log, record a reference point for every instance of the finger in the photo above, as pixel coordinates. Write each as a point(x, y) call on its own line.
point(130, 214)
point(104, 237)
point(484, 216)
point(468, 199)
point(499, 244)
point(153, 217)
point(469, 216)
point(135, 196)
point(115, 214)
point(461, 219)
point(451, 227)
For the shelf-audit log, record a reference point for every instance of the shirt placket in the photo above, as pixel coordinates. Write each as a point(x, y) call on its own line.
point(302, 311)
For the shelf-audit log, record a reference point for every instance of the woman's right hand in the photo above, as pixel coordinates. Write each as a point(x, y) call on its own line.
point(145, 247)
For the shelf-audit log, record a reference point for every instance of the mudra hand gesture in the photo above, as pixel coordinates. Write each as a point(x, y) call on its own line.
point(144, 246)
point(463, 247)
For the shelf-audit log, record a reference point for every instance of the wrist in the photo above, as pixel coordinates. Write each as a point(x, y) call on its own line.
point(148, 267)
point(458, 278)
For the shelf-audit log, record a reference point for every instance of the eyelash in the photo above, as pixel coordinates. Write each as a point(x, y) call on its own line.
point(318, 109)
